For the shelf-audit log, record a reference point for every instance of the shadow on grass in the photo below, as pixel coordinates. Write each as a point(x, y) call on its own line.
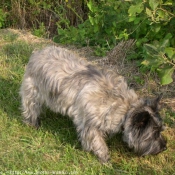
point(60, 126)
point(9, 98)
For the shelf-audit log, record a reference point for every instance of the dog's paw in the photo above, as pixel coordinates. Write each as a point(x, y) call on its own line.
point(105, 159)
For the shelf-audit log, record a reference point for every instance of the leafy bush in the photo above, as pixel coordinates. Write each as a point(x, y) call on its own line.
point(41, 31)
point(150, 22)
point(160, 57)
point(102, 29)
point(155, 20)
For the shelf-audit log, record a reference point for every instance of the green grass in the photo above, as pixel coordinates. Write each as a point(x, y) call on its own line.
point(54, 147)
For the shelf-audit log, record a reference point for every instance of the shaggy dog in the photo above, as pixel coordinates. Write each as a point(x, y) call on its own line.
point(98, 101)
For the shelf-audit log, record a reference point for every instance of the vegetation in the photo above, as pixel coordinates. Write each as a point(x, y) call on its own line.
point(102, 24)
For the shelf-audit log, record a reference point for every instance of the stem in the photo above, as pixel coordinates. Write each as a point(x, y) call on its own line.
point(165, 11)
point(167, 61)
point(75, 13)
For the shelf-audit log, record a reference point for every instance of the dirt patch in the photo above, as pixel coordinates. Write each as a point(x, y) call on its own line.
point(26, 36)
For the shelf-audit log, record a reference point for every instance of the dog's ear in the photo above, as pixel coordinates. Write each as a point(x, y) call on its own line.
point(154, 104)
point(141, 119)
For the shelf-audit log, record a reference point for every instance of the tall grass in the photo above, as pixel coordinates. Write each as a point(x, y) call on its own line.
point(42, 15)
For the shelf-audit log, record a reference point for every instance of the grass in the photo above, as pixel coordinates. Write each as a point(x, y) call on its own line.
point(54, 148)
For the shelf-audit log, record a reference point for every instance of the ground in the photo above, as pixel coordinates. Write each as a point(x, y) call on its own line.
point(54, 148)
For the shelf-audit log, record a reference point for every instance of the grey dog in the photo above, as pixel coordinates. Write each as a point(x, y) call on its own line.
point(97, 100)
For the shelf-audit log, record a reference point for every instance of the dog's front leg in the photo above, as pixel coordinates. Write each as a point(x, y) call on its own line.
point(93, 140)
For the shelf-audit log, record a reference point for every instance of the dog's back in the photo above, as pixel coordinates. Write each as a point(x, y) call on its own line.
point(56, 62)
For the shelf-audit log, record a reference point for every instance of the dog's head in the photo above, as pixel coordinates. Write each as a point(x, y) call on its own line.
point(143, 127)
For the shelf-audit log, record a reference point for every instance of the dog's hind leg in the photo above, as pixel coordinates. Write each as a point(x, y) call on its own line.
point(31, 102)
point(92, 140)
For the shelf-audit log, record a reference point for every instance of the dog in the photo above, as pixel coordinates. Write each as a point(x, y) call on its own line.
point(98, 101)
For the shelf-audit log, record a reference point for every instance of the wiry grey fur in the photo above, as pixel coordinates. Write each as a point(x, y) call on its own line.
point(98, 101)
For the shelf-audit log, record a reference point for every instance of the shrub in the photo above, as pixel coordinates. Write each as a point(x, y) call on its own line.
point(151, 23)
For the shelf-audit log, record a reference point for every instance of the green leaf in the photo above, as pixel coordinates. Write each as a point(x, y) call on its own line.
point(141, 41)
point(91, 19)
point(123, 35)
point(134, 9)
point(161, 13)
point(151, 49)
point(149, 12)
point(156, 28)
point(153, 4)
point(132, 18)
point(90, 6)
point(168, 3)
point(165, 75)
point(153, 62)
point(170, 51)
point(145, 62)
point(168, 36)
point(137, 20)
point(164, 43)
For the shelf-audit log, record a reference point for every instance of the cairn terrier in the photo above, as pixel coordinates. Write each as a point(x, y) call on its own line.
point(98, 101)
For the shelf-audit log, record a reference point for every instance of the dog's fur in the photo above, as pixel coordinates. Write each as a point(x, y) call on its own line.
point(98, 101)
